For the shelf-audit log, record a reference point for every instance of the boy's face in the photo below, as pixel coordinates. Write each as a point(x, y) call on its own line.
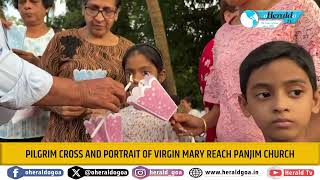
point(281, 100)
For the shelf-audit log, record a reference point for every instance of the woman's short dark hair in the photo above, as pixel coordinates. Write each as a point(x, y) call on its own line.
point(118, 3)
point(46, 3)
point(273, 51)
point(150, 52)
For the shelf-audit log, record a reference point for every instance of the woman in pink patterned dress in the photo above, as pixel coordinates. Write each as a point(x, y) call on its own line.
point(233, 42)
point(227, 13)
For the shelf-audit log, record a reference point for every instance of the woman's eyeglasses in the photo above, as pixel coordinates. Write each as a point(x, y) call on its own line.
point(106, 12)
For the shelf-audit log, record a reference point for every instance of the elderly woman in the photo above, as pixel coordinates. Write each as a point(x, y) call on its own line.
point(36, 35)
point(92, 47)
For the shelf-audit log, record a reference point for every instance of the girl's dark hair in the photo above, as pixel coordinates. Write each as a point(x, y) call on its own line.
point(46, 3)
point(150, 52)
point(272, 51)
point(223, 8)
point(118, 3)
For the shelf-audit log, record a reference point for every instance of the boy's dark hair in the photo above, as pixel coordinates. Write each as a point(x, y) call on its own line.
point(269, 52)
point(118, 3)
point(46, 3)
point(150, 52)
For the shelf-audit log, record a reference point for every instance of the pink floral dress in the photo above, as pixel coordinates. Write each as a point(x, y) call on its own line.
point(233, 43)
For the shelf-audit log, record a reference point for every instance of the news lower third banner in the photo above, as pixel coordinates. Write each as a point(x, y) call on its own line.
point(159, 153)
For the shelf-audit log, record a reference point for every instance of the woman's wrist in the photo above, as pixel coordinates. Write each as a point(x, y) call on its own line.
point(204, 127)
point(81, 86)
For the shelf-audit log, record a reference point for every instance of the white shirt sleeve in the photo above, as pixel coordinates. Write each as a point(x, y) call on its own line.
point(195, 112)
point(21, 84)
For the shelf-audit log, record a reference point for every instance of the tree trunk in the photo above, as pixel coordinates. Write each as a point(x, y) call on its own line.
point(2, 14)
point(162, 43)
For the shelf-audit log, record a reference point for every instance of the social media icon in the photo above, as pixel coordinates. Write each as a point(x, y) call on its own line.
point(15, 172)
point(140, 172)
point(76, 172)
point(275, 172)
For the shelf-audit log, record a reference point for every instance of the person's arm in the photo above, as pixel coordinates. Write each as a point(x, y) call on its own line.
point(186, 125)
point(212, 116)
point(28, 56)
point(98, 93)
point(70, 112)
point(23, 84)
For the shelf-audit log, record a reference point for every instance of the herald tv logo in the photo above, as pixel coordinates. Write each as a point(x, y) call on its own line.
point(278, 172)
